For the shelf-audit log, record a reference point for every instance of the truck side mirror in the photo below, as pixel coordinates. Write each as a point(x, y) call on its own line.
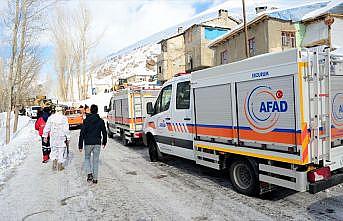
point(106, 109)
point(149, 108)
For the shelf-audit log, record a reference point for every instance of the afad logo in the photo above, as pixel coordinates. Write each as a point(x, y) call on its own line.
point(337, 110)
point(262, 108)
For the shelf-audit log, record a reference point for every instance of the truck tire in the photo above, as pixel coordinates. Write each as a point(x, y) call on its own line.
point(109, 133)
point(153, 151)
point(243, 177)
point(124, 141)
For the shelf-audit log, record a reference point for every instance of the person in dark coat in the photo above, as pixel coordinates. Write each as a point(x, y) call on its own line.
point(93, 134)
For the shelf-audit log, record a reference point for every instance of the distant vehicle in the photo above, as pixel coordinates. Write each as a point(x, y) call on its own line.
point(34, 111)
point(270, 120)
point(75, 118)
point(126, 112)
point(22, 111)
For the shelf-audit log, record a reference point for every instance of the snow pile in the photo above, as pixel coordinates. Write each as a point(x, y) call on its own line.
point(22, 122)
point(101, 100)
point(14, 153)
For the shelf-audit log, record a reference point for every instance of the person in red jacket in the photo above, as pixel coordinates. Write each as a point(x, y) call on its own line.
point(39, 125)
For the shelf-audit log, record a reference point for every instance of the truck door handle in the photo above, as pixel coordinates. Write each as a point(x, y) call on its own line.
point(187, 118)
point(167, 118)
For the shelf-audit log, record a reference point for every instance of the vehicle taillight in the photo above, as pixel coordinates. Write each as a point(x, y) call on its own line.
point(323, 173)
point(138, 135)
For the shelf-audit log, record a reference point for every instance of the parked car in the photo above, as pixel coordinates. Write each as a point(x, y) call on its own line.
point(34, 112)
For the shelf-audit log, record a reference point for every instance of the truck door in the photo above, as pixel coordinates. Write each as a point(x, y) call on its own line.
point(181, 126)
point(162, 119)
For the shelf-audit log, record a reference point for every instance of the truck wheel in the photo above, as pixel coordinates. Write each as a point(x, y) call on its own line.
point(244, 178)
point(109, 133)
point(153, 151)
point(124, 141)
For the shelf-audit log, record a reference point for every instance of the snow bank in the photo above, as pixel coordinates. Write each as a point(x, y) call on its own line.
point(101, 100)
point(14, 153)
point(22, 122)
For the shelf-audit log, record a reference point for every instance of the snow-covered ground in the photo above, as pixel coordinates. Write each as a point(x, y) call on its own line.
point(132, 188)
point(14, 153)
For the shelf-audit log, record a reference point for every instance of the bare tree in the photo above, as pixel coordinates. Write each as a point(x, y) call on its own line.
point(11, 71)
point(62, 37)
point(24, 20)
point(71, 34)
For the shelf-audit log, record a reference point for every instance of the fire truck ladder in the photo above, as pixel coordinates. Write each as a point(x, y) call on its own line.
point(320, 106)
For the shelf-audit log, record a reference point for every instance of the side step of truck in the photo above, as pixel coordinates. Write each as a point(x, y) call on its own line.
point(207, 159)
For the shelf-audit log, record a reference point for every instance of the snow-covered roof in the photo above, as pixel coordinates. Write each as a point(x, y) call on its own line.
point(293, 14)
point(296, 13)
point(334, 7)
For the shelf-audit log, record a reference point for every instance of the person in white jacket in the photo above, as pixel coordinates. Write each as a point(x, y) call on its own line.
point(58, 128)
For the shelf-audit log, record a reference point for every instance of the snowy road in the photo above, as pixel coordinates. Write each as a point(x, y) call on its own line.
point(132, 188)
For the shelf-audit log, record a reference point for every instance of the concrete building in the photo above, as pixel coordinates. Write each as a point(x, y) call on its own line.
point(324, 27)
point(197, 37)
point(138, 78)
point(172, 57)
point(265, 34)
point(282, 29)
point(187, 50)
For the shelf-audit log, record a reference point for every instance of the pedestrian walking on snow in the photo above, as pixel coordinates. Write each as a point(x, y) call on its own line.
point(93, 134)
point(39, 126)
point(58, 128)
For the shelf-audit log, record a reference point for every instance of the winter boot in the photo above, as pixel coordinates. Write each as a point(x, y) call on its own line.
point(54, 165)
point(60, 167)
point(89, 177)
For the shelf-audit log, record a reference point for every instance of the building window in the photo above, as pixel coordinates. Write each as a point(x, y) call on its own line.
point(252, 46)
point(288, 39)
point(224, 57)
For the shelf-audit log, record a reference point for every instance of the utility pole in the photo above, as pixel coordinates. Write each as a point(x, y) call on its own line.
point(245, 30)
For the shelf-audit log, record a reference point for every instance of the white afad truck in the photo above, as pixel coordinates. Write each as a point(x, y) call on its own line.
point(270, 120)
point(126, 112)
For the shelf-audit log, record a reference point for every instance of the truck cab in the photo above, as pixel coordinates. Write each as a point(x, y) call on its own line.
point(168, 128)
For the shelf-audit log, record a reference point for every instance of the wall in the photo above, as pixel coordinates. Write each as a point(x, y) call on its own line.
point(267, 34)
point(137, 78)
point(196, 46)
point(192, 47)
point(172, 60)
point(275, 27)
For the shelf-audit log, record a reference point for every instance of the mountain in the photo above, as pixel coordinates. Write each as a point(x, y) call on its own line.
point(132, 60)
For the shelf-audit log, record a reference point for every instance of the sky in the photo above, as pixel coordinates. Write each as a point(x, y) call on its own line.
point(121, 23)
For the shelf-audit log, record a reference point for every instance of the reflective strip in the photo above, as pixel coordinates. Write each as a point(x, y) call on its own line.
point(257, 155)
